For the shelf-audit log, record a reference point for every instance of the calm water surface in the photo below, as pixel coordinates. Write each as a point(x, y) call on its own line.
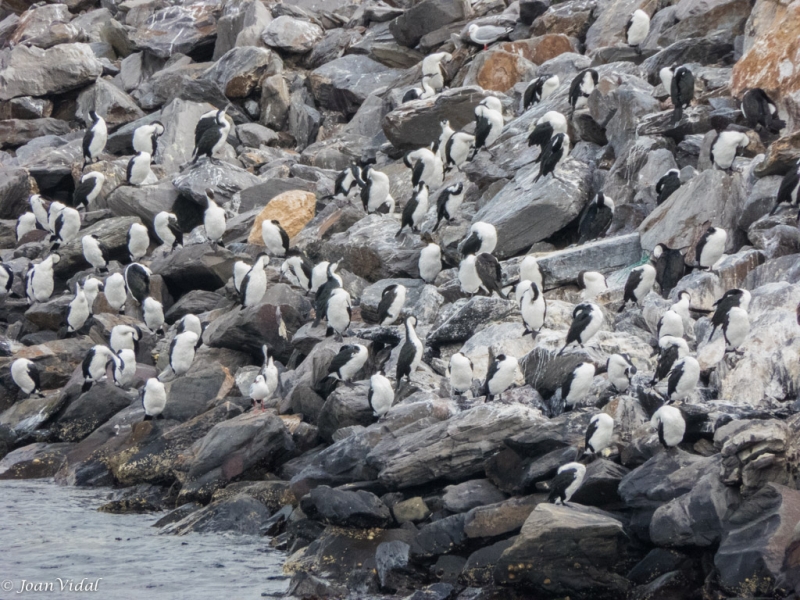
point(49, 531)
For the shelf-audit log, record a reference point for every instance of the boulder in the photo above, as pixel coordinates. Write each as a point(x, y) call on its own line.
point(35, 461)
point(359, 509)
point(292, 35)
point(143, 202)
point(470, 494)
point(412, 510)
point(606, 30)
point(90, 410)
point(273, 494)
point(223, 179)
point(570, 18)
point(107, 100)
point(343, 84)
point(704, 18)
point(31, 71)
point(241, 70)
point(15, 189)
point(481, 564)
point(196, 267)
point(113, 233)
point(498, 70)
point(179, 29)
point(343, 408)
point(524, 212)
point(466, 317)
point(175, 147)
point(17, 132)
point(425, 17)
point(664, 477)
point(294, 209)
point(240, 515)
point(254, 135)
point(440, 537)
point(501, 518)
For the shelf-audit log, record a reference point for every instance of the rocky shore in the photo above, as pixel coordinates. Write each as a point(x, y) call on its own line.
point(444, 496)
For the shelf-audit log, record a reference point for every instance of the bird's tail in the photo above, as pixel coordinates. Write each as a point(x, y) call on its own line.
point(677, 113)
point(399, 231)
point(560, 352)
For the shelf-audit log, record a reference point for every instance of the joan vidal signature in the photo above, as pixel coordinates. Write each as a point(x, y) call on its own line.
point(63, 585)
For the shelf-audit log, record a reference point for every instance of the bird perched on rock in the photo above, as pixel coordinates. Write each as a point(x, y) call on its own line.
point(444, 137)
point(530, 270)
point(735, 297)
point(483, 35)
point(669, 183)
point(482, 237)
point(458, 150)
point(596, 218)
point(275, 237)
point(550, 124)
point(297, 270)
point(669, 423)
point(420, 93)
point(671, 350)
point(620, 370)
point(338, 312)
point(381, 395)
point(640, 283)
point(760, 111)
point(125, 368)
point(95, 252)
point(182, 351)
point(599, 433)
point(726, 147)
point(167, 229)
point(683, 378)
point(190, 322)
point(39, 282)
point(145, 137)
point(210, 136)
point(348, 362)
point(259, 391)
point(25, 374)
point(461, 372)
point(40, 211)
point(95, 138)
point(448, 203)
point(581, 88)
point(88, 189)
point(787, 191)
point(153, 312)
point(488, 123)
point(426, 166)
point(665, 74)
point(324, 292)
point(539, 89)
point(710, 247)
point(375, 194)
point(138, 241)
point(567, 481)
point(415, 209)
point(138, 171)
point(501, 375)
point(94, 365)
point(433, 68)
point(681, 91)
point(670, 324)
point(116, 291)
point(735, 328)
point(79, 311)
point(154, 399)
point(637, 29)
point(124, 337)
point(25, 224)
point(346, 180)
point(670, 268)
point(430, 259)
point(587, 319)
point(592, 283)
point(392, 299)
point(681, 307)
point(577, 384)
point(214, 220)
point(553, 154)
point(254, 284)
point(6, 278)
point(410, 352)
point(66, 223)
point(533, 307)
point(481, 272)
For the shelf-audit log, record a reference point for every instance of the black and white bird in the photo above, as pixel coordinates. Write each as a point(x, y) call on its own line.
point(275, 237)
point(410, 352)
point(6, 278)
point(393, 298)
point(425, 91)
point(461, 372)
point(670, 268)
point(533, 307)
point(66, 223)
point(668, 421)
point(592, 284)
point(348, 362)
point(433, 68)
point(530, 270)
point(95, 138)
point(153, 312)
point(620, 370)
point(430, 260)
point(346, 180)
point(681, 307)
point(298, 271)
point(596, 219)
point(88, 189)
point(40, 211)
point(553, 154)
point(458, 150)
point(482, 237)
point(138, 241)
point(25, 224)
point(681, 91)
point(79, 310)
point(94, 365)
point(254, 284)
point(190, 322)
point(138, 171)
point(259, 391)
point(154, 399)
point(125, 368)
point(577, 384)
point(599, 433)
point(581, 88)
point(167, 229)
point(488, 123)
point(550, 124)
point(637, 29)
point(669, 183)
point(735, 328)
point(444, 137)
point(145, 137)
point(92, 288)
point(240, 271)
point(426, 166)
point(415, 210)
point(449, 203)
point(321, 273)
point(787, 191)
point(212, 135)
point(182, 350)
point(539, 89)
point(501, 375)
point(116, 291)
point(95, 252)
point(726, 147)
point(324, 292)
point(338, 312)
point(710, 247)
point(639, 284)
point(671, 350)
point(587, 319)
point(214, 220)
point(137, 281)
point(381, 395)
point(124, 337)
point(483, 35)
point(665, 74)
point(567, 481)
point(683, 378)
point(759, 110)
point(735, 297)
point(480, 273)
point(25, 374)
point(670, 324)
point(375, 194)
point(39, 282)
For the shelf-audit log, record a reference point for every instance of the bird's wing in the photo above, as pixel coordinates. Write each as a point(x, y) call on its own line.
point(560, 483)
point(482, 129)
point(202, 126)
point(590, 431)
point(471, 245)
point(284, 238)
point(33, 373)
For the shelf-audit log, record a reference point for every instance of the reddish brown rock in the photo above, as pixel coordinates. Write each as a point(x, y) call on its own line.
point(542, 48)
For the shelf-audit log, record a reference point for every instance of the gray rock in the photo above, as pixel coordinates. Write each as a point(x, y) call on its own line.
point(395, 571)
point(343, 408)
point(292, 35)
point(664, 477)
point(425, 17)
point(466, 317)
point(240, 515)
point(34, 461)
point(471, 494)
point(31, 71)
point(371, 296)
point(199, 266)
point(255, 135)
point(112, 232)
point(696, 19)
point(108, 101)
point(525, 212)
point(143, 202)
point(178, 28)
point(15, 189)
point(241, 70)
point(223, 179)
point(704, 50)
point(480, 566)
point(344, 508)
point(440, 537)
point(16, 132)
point(343, 84)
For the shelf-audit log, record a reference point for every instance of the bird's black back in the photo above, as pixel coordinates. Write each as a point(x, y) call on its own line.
point(345, 355)
point(387, 297)
point(579, 322)
point(324, 293)
point(698, 252)
point(83, 189)
point(674, 378)
point(590, 431)
point(533, 93)
point(559, 485)
point(33, 373)
point(202, 126)
point(482, 129)
point(634, 279)
point(416, 172)
point(407, 353)
point(540, 135)
point(670, 269)
point(489, 272)
point(666, 359)
point(471, 245)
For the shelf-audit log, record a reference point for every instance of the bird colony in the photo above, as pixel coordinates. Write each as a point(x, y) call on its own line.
point(468, 297)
